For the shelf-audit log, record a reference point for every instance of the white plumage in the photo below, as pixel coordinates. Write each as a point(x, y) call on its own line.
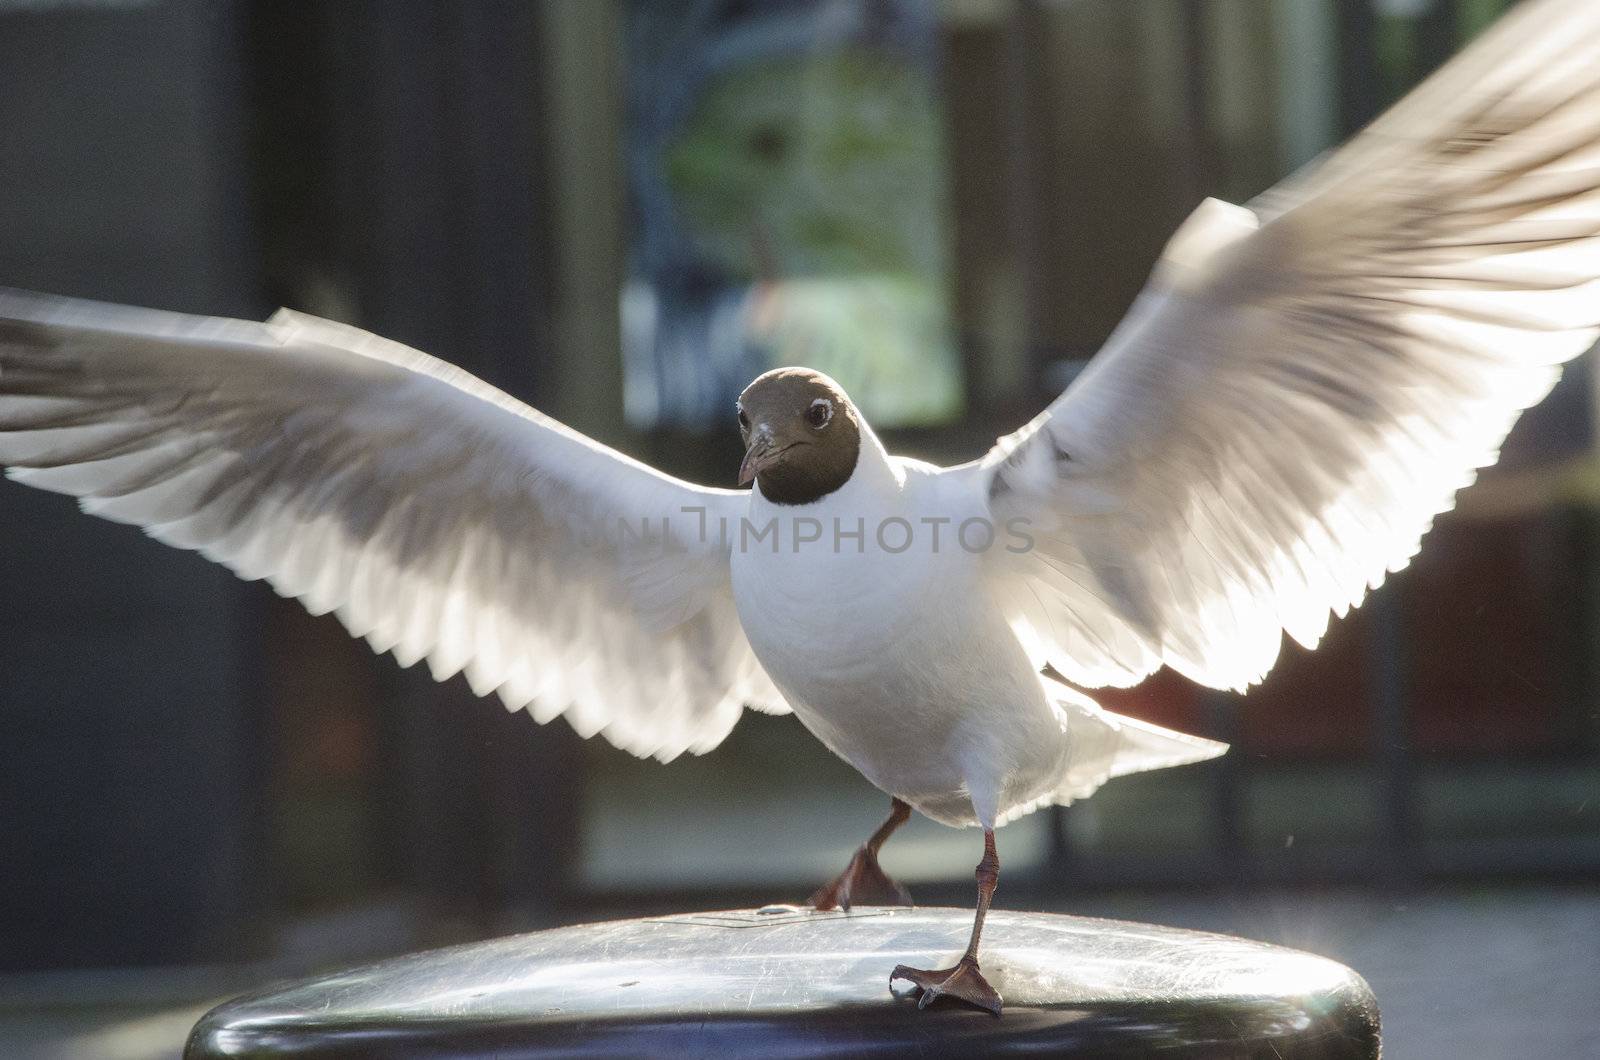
point(1305, 384)
point(438, 517)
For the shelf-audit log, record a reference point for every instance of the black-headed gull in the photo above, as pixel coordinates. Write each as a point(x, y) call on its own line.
point(1303, 385)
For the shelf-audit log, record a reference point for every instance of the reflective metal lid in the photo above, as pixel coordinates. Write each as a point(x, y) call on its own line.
point(789, 982)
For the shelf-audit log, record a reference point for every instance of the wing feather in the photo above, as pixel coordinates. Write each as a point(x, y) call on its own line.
point(1304, 385)
point(439, 518)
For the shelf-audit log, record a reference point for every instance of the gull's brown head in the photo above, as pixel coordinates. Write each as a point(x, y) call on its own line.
point(801, 435)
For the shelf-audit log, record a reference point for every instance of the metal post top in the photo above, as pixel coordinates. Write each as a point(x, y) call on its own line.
point(783, 981)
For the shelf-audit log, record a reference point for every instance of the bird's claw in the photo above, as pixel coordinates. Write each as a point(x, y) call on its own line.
point(964, 981)
point(861, 881)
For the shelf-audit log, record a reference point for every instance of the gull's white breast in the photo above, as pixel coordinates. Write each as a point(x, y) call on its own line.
point(898, 661)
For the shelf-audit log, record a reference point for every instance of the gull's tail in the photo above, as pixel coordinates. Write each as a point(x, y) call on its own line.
point(1106, 745)
point(1103, 745)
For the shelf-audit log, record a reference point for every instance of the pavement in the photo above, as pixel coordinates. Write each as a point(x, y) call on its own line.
point(1489, 973)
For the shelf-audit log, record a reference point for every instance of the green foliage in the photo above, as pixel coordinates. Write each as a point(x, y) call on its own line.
point(829, 163)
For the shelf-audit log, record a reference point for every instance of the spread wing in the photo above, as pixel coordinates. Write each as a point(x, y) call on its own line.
point(438, 517)
point(1304, 385)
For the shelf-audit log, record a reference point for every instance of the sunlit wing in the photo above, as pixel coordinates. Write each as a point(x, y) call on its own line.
point(438, 517)
point(1303, 386)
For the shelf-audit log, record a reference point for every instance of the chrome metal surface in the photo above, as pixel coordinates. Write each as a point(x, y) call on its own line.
point(783, 981)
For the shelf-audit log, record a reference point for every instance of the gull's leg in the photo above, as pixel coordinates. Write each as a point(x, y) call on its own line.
point(862, 880)
point(964, 980)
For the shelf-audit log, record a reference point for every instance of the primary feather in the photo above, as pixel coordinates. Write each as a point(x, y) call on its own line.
point(439, 518)
point(1304, 385)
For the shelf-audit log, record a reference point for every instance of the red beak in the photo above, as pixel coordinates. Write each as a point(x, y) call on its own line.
point(760, 456)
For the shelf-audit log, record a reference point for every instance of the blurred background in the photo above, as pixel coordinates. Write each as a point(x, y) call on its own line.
point(621, 210)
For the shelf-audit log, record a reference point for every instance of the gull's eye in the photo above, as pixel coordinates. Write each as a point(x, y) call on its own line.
point(820, 412)
point(744, 421)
